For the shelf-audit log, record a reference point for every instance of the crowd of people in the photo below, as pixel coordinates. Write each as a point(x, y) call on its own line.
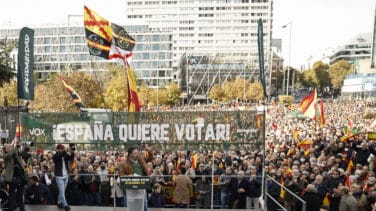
point(329, 166)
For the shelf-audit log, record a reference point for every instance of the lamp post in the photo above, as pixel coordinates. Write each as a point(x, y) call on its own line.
point(288, 66)
point(5, 106)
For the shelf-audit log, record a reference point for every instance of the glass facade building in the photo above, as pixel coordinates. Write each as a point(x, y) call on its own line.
point(62, 49)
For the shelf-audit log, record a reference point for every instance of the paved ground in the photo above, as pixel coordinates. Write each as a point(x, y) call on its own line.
point(87, 208)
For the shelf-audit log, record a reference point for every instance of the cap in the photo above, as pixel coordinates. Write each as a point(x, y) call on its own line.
point(60, 146)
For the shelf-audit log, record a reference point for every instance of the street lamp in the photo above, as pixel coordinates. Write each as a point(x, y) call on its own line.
point(288, 67)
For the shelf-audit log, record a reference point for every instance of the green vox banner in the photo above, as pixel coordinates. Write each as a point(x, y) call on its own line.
point(174, 130)
point(25, 77)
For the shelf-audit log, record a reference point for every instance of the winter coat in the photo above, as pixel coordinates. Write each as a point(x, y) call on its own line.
point(182, 184)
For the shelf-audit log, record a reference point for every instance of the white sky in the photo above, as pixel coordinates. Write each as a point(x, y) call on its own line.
point(316, 24)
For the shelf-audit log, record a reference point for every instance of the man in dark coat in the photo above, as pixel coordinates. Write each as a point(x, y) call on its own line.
point(238, 191)
point(15, 170)
point(362, 152)
point(312, 199)
point(37, 193)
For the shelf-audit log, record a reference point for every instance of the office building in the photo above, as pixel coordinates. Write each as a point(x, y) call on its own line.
point(213, 40)
point(64, 49)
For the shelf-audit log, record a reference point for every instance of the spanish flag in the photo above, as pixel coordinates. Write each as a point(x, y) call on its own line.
point(350, 166)
point(307, 105)
point(326, 201)
point(194, 159)
point(306, 145)
point(347, 181)
point(18, 130)
point(98, 33)
point(322, 115)
point(76, 98)
point(283, 192)
point(133, 102)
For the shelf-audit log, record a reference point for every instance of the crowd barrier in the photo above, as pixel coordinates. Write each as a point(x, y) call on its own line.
point(269, 199)
point(167, 190)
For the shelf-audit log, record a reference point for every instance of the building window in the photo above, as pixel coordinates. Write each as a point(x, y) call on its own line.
point(63, 49)
point(62, 40)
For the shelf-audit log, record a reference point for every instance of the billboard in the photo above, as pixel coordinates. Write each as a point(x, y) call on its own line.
point(172, 130)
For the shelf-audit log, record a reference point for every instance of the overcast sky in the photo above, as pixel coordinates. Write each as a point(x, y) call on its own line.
point(316, 24)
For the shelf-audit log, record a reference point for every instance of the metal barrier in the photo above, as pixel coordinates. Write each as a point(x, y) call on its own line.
point(167, 188)
point(267, 196)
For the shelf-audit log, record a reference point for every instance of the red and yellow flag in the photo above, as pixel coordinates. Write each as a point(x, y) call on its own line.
point(133, 102)
point(307, 105)
point(283, 192)
point(322, 115)
point(326, 201)
point(18, 130)
point(76, 98)
point(306, 145)
point(98, 33)
point(194, 159)
point(350, 166)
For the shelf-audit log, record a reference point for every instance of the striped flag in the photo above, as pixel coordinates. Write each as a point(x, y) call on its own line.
point(194, 160)
point(18, 130)
point(76, 98)
point(282, 192)
point(133, 102)
point(98, 33)
point(322, 115)
point(307, 105)
point(350, 166)
point(306, 145)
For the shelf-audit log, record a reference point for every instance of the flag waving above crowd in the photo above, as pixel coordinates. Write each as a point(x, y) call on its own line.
point(308, 105)
point(98, 33)
point(76, 98)
point(122, 41)
point(111, 41)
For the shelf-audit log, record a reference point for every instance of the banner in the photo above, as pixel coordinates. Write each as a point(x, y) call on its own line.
point(25, 77)
point(260, 43)
point(173, 130)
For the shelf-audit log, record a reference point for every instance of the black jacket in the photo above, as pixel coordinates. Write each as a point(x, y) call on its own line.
point(157, 200)
point(313, 201)
point(59, 162)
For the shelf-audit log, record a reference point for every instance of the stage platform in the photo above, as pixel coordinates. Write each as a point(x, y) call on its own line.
point(92, 208)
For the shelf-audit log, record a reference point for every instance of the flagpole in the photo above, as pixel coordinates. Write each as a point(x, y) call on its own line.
point(126, 65)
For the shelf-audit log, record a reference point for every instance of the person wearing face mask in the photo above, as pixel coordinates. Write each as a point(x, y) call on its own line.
point(105, 189)
point(360, 197)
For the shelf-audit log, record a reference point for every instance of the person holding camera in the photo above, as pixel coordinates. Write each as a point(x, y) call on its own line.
point(61, 159)
point(15, 176)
